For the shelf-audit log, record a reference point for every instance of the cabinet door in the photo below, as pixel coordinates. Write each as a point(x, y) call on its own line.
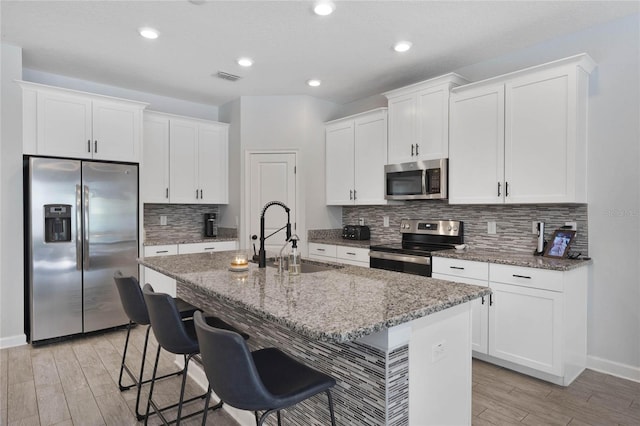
point(64, 125)
point(339, 162)
point(432, 116)
point(370, 157)
point(525, 327)
point(183, 157)
point(213, 175)
point(116, 131)
point(539, 144)
point(402, 129)
point(476, 146)
point(154, 179)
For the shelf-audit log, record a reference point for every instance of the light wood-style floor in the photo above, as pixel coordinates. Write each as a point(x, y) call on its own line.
point(75, 383)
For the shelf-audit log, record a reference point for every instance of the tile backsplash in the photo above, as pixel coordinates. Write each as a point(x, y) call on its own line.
point(513, 222)
point(184, 222)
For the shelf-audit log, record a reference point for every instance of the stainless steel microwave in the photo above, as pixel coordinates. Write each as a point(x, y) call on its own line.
point(419, 180)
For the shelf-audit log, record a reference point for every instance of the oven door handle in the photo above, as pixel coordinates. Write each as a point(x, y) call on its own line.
point(423, 260)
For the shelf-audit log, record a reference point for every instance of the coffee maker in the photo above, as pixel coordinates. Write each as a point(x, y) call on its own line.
point(210, 225)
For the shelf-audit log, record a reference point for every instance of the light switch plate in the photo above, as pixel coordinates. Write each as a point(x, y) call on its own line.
point(385, 221)
point(163, 220)
point(491, 227)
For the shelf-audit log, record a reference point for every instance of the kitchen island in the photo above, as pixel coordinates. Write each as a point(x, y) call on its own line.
point(398, 345)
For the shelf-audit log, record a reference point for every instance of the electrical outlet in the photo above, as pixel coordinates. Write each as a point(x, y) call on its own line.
point(163, 220)
point(534, 227)
point(385, 221)
point(438, 351)
point(491, 227)
point(361, 221)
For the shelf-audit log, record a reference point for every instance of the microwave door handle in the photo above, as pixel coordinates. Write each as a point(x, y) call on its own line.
point(425, 181)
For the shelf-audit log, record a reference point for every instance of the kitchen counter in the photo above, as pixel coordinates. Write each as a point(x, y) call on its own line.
point(337, 305)
point(513, 258)
point(359, 325)
point(158, 242)
point(344, 242)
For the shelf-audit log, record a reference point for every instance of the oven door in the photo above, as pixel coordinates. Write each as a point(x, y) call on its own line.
point(411, 264)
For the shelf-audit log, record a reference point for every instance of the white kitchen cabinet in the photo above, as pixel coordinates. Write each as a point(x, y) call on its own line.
point(348, 255)
point(521, 138)
point(419, 120)
point(534, 321)
point(160, 282)
point(356, 152)
point(185, 160)
point(67, 123)
point(475, 273)
point(207, 247)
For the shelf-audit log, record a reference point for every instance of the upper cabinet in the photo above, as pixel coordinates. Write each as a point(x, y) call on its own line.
point(67, 123)
point(185, 160)
point(419, 120)
point(356, 152)
point(521, 137)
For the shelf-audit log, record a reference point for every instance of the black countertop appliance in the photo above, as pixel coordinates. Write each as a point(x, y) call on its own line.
point(356, 232)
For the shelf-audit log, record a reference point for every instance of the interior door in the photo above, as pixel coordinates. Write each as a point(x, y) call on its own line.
point(271, 178)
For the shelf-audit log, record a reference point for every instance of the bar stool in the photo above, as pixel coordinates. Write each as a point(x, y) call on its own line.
point(264, 380)
point(178, 337)
point(136, 309)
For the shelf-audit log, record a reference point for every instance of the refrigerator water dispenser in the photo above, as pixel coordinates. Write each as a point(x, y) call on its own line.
point(57, 223)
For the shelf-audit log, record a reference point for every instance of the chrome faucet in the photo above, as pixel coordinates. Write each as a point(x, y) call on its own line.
point(262, 256)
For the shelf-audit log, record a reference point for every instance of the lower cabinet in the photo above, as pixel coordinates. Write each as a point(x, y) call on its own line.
point(341, 254)
point(533, 322)
point(165, 284)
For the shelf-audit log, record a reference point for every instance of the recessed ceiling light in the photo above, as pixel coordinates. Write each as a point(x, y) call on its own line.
point(314, 82)
point(149, 33)
point(402, 46)
point(245, 62)
point(324, 8)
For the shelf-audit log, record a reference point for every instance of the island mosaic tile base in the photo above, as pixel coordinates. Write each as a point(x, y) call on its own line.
point(365, 371)
point(513, 222)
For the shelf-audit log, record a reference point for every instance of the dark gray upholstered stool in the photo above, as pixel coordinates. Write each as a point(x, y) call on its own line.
point(264, 380)
point(178, 337)
point(136, 309)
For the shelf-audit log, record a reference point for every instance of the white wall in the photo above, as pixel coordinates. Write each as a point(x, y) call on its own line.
point(11, 243)
point(230, 113)
point(156, 102)
point(613, 183)
point(297, 123)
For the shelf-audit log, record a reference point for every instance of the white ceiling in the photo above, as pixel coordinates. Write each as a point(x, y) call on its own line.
point(350, 50)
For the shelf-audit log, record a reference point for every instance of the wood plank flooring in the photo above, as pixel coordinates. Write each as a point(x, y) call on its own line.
point(75, 383)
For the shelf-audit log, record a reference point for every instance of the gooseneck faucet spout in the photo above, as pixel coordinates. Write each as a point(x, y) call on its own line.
point(262, 256)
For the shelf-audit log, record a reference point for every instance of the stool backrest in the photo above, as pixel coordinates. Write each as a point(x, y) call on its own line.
point(166, 323)
point(229, 367)
point(132, 298)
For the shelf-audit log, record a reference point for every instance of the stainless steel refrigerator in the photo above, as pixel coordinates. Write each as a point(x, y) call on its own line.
point(81, 226)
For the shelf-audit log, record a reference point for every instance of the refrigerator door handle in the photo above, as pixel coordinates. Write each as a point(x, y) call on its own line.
point(85, 249)
point(78, 231)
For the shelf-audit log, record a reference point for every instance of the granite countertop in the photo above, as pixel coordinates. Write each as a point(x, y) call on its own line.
point(187, 241)
point(513, 258)
point(337, 305)
point(344, 242)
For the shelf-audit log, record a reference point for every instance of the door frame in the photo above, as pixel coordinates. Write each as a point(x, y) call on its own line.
point(243, 236)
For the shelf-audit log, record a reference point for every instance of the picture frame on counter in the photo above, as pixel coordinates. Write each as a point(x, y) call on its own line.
point(559, 245)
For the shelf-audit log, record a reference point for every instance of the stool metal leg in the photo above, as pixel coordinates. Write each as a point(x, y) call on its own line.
point(123, 365)
point(333, 418)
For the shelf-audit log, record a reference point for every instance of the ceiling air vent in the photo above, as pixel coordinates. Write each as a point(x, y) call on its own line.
point(227, 76)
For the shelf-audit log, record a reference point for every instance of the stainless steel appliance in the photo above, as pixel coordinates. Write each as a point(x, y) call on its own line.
point(419, 180)
point(419, 239)
point(81, 225)
point(356, 232)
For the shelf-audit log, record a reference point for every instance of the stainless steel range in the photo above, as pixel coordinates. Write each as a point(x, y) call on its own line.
point(419, 239)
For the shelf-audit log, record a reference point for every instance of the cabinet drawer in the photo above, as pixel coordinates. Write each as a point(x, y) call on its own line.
point(353, 254)
point(163, 250)
point(461, 268)
point(206, 247)
point(323, 250)
point(527, 277)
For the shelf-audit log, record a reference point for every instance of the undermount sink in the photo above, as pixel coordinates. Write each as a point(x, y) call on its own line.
point(307, 267)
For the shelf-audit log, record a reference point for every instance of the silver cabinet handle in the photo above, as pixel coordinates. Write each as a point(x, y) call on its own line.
point(498, 189)
point(482, 300)
point(167, 193)
point(162, 251)
point(491, 299)
point(354, 194)
point(201, 197)
point(412, 150)
point(89, 145)
point(350, 253)
point(506, 189)
point(351, 194)
point(320, 249)
point(521, 276)
point(85, 248)
point(417, 152)
point(78, 232)
point(209, 248)
point(95, 147)
point(457, 267)
point(196, 194)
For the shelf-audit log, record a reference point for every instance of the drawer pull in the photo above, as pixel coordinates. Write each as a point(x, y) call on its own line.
point(162, 251)
point(350, 253)
point(491, 299)
point(457, 267)
point(482, 300)
point(521, 276)
point(320, 249)
point(209, 248)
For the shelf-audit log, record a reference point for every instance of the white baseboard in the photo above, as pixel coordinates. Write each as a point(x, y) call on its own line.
point(11, 341)
point(613, 368)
